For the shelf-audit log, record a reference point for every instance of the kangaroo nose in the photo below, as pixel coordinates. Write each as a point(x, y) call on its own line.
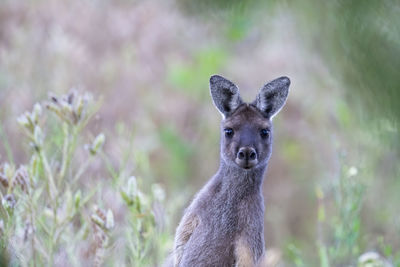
point(247, 154)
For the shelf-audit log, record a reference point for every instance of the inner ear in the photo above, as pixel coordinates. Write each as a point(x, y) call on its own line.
point(225, 95)
point(272, 96)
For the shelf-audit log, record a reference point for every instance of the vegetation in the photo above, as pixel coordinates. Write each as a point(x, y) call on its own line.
point(101, 178)
point(49, 216)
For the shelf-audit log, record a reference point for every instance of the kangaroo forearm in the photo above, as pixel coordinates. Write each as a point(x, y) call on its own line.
point(243, 254)
point(185, 229)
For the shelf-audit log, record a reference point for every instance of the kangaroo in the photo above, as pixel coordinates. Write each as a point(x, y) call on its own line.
point(224, 224)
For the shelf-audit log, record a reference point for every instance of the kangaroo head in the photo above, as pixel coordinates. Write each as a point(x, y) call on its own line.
point(246, 129)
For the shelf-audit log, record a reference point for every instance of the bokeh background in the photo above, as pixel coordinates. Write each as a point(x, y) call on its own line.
point(332, 190)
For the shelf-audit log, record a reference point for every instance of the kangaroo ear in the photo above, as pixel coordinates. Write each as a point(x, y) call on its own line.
point(225, 95)
point(272, 97)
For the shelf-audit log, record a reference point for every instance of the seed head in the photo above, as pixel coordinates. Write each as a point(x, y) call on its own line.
point(71, 97)
point(132, 187)
point(99, 217)
point(97, 144)
point(29, 120)
point(37, 111)
point(21, 178)
point(38, 137)
point(28, 230)
point(3, 180)
point(158, 192)
point(70, 107)
point(8, 170)
point(8, 202)
point(110, 220)
point(23, 121)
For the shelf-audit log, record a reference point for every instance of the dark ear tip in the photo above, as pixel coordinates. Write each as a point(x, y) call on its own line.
point(284, 80)
point(215, 78)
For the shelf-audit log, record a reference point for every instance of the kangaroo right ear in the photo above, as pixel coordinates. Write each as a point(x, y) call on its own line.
point(225, 95)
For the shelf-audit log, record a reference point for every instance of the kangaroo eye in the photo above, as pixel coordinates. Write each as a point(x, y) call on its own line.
point(264, 133)
point(228, 132)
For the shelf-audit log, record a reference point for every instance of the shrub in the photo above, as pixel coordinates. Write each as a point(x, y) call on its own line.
point(51, 214)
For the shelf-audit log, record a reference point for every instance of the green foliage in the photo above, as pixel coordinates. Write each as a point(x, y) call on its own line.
point(48, 215)
point(294, 255)
point(348, 193)
point(178, 153)
point(142, 233)
point(238, 22)
point(344, 221)
point(210, 6)
point(75, 186)
point(389, 252)
point(360, 40)
point(191, 78)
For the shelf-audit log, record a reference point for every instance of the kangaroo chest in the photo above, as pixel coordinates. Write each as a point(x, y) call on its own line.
point(233, 212)
point(225, 218)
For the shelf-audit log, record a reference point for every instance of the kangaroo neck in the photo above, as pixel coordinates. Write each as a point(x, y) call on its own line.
point(236, 179)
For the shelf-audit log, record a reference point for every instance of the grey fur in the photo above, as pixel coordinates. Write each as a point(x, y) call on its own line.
point(224, 224)
point(225, 95)
point(272, 96)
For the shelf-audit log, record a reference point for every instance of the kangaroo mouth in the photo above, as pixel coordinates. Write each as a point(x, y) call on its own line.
point(246, 164)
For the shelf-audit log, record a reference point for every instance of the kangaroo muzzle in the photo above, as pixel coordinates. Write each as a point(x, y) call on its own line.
point(246, 157)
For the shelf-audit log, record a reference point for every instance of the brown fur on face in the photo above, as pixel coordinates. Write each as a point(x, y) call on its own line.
point(246, 122)
point(247, 112)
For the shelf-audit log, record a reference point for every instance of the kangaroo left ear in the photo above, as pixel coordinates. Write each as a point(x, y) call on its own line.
point(272, 97)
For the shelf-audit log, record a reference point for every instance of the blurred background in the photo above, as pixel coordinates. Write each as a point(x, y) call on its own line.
point(332, 189)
